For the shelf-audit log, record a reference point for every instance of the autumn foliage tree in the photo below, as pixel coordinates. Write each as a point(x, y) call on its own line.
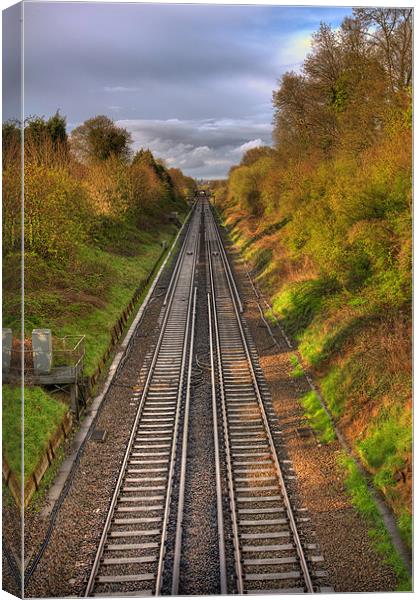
point(99, 138)
point(326, 224)
point(70, 195)
point(340, 173)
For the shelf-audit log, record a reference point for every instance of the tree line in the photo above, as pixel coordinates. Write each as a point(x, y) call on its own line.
point(337, 181)
point(76, 184)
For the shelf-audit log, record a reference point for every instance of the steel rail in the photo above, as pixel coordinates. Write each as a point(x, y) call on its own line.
point(220, 512)
point(102, 542)
point(303, 562)
point(176, 270)
point(236, 542)
point(227, 264)
point(159, 578)
point(181, 501)
point(291, 519)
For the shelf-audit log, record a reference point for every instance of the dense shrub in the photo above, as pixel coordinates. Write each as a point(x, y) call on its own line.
point(78, 216)
point(338, 268)
point(65, 199)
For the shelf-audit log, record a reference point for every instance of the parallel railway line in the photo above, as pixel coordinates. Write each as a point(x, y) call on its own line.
point(130, 556)
point(259, 545)
point(269, 555)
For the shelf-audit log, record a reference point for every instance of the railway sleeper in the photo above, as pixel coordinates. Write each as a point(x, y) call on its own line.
point(287, 575)
point(123, 578)
point(268, 548)
point(126, 560)
point(270, 535)
point(126, 533)
point(133, 509)
point(140, 498)
point(137, 520)
point(258, 522)
point(138, 593)
point(131, 546)
point(268, 562)
point(296, 590)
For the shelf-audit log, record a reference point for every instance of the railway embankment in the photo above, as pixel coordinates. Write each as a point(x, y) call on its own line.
point(94, 228)
point(343, 553)
point(102, 321)
point(324, 219)
point(360, 362)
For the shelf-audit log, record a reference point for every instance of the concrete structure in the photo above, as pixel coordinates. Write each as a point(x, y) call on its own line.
point(42, 351)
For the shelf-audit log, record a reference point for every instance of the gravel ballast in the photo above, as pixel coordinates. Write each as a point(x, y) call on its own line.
point(340, 532)
point(66, 562)
point(199, 561)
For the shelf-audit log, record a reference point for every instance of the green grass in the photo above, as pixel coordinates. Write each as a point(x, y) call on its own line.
point(37, 499)
point(263, 259)
point(298, 370)
point(405, 525)
point(7, 497)
point(12, 426)
point(318, 344)
point(318, 418)
point(43, 414)
point(308, 310)
point(362, 500)
point(383, 449)
point(298, 304)
point(126, 274)
point(333, 389)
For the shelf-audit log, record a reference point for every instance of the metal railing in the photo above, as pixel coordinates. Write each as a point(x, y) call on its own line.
point(67, 352)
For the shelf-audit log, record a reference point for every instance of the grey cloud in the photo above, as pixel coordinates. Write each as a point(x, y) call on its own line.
point(192, 82)
point(11, 75)
point(120, 88)
point(206, 148)
point(184, 61)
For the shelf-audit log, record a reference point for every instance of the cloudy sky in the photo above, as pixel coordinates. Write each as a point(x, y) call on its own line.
point(191, 82)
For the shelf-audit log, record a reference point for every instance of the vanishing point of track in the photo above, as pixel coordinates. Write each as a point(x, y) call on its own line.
point(259, 545)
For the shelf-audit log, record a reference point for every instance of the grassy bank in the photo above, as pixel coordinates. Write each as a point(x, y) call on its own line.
point(361, 357)
point(364, 503)
point(95, 217)
point(324, 218)
point(43, 414)
point(87, 294)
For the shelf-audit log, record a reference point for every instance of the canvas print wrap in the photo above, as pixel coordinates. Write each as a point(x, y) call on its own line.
point(207, 291)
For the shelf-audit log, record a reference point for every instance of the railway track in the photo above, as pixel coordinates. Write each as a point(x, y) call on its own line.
point(130, 555)
point(269, 554)
point(260, 549)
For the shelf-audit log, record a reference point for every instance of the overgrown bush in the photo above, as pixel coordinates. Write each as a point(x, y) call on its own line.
point(339, 272)
point(74, 205)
